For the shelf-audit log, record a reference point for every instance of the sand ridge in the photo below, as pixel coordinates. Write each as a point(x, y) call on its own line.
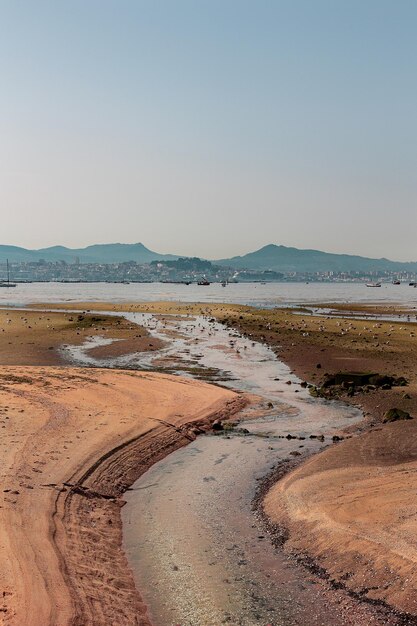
point(72, 441)
point(353, 508)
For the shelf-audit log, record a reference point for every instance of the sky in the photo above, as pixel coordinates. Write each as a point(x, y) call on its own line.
point(210, 127)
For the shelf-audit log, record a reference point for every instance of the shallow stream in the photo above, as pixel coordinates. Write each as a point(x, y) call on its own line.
point(199, 554)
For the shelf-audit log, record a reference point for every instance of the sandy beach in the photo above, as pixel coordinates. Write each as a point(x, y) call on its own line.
point(351, 509)
point(73, 441)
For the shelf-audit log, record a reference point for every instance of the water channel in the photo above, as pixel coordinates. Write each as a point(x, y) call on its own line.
point(199, 553)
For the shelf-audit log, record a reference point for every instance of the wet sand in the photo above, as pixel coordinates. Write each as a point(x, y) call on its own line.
point(189, 525)
point(376, 498)
point(73, 441)
point(223, 569)
point(368, 549)
point(354, 509)
point(36, 337)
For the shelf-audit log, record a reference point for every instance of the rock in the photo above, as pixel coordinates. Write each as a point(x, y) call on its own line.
point(303, 384)
point(318, 366)
point(217, 425)
point(394, 415)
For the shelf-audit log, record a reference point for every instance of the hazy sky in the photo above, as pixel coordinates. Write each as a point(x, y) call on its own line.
point(210, 127)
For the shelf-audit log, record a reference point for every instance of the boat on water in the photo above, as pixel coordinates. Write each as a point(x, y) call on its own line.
point(373, 284)
point(7, 283)
point(412, 284)
point(203, 283)
point(396, 282)
point(224, 283)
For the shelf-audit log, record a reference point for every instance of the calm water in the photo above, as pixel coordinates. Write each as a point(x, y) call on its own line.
point(269, 295)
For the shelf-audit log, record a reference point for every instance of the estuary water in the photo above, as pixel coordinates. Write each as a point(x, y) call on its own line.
point(256, 294)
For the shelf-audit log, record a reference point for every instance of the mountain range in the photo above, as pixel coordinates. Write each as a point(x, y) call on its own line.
point(284, 259)
point(99, 253)
point(270, 257)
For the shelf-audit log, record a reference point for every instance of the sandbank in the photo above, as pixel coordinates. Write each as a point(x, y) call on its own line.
point(73, 440)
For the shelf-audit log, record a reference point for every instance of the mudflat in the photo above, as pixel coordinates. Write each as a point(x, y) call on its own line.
point(72, 442)
point(351, 509)
point(35, 337)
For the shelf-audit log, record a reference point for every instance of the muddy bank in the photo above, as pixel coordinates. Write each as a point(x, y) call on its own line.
point(315, 345)
point(352, 509)
point(72, 442)
point(36, 337)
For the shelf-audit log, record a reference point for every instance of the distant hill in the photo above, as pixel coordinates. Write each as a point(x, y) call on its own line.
point(100, 253)
point(283, 259)
point(271, 257)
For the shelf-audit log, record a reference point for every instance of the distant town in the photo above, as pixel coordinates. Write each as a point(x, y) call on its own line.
point(181, 270)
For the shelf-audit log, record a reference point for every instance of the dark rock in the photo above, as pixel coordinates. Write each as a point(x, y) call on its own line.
point(394, 415)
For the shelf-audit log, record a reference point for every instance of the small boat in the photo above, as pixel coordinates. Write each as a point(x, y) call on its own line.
point(224, 283)
point(7, 283)
point(203, 283)
point(412, 284)
point(373, 284)
point(396, 282)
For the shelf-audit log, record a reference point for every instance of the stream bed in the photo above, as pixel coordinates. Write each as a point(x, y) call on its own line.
point(199, 553)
